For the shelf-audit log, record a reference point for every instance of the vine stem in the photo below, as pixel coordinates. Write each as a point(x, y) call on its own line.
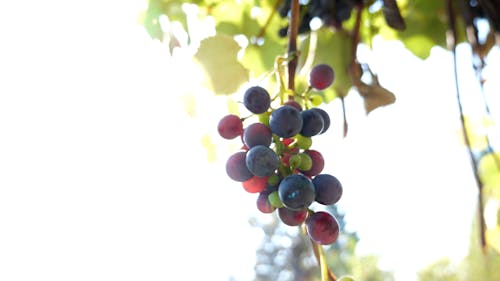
point(452, 44)
point(293, 28)
point(319, 253)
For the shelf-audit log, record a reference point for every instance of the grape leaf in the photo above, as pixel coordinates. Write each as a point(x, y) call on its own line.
point(218, 57)
point(375, 96)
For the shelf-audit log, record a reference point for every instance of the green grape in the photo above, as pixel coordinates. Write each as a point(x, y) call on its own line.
point(295, 161)
point(273, 180)
point(275, 200)
point(346, 278)
point(303, 142)
point(305, 162)
point(315, 100)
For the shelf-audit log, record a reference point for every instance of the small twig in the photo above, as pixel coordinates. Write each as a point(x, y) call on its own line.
point(269, 18)
point(293, 28)
point(452, 40)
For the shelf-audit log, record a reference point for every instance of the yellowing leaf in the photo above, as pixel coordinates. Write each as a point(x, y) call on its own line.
point(375, 96)
point(493, 238)
point(218, 57)
point(489, 170)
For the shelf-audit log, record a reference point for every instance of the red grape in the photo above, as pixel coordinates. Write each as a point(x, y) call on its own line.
point(230, 126)
point(321, 76)
point(322, 227)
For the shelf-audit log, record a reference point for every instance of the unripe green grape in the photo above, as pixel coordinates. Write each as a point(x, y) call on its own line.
point(275, 200)
point(273, 180)
point(305, 162)
point(303, 142)
point(346, 278)
point(315, 99)
point(295, 161)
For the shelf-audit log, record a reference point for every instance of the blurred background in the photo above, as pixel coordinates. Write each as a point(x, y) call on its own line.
point(111, 167)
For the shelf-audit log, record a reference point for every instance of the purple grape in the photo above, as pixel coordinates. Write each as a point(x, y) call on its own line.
point(286, 121)
point(318, 163)
point(323, 228)
point(263, 203)
point(296, 191)
point(236, 167)
point(328, 189)
point(326, 118)
point(257, 134)
point(293, 104)
point(257, 100)
point(230, 126)
point(312, 123)
point(292, 217)
point(262, 161)
point(321, 77)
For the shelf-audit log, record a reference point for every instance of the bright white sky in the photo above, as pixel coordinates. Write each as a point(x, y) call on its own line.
point(102, 176)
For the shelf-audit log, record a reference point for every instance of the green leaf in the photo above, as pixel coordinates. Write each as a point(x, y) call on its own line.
point(218, 57)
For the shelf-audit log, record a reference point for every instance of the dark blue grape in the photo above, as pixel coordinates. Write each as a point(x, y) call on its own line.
point(262, 161)
point(296, 192)
point(257, 99)
point(257, 134)
point(286, 121)
point(326, 118)
point(236, 167)
point(312, 123)
point(328, 189)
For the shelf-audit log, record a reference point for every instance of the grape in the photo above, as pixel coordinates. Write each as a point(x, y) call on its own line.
point(257, 100)
point(321, 77)
point(263, 203)
point(257, 134)
point(236, 167)
point(312, 123)
point(303, 142)
point(255, 184)
point(230, 126)
point(292, 217)
point(326, 118)
point(296, 192)
point(286, 121)
point(318, 163)
point(293, 104)
point(275, 200)
point(262, 161)
point(305, 162)
point(328, 189)
point(346, 278)
point(322, 227)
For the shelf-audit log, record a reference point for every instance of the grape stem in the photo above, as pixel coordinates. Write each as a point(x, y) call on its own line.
point(452, 44)
point(293, 28)
point(319, 253)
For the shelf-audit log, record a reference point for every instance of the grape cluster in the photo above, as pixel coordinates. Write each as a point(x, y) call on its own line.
point(330, 12)
point(277, 162)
